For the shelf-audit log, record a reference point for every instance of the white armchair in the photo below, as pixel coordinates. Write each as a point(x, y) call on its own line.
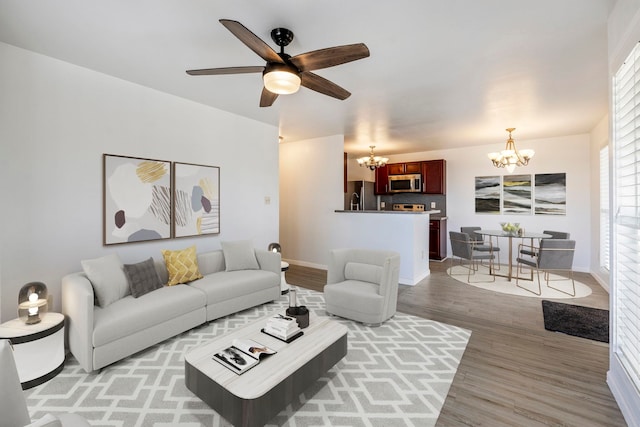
point(13, 405)
point(362, 284)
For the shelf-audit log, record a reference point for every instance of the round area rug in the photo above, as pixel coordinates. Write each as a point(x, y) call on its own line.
point(502, 285)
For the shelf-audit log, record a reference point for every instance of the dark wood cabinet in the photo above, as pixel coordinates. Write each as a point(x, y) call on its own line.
point(438, 238)
point(433, 174)
point(404, 168)
point(382, 180)
point(434, 177)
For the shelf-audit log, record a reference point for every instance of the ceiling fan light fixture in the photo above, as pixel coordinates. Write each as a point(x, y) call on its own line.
point(281, 79)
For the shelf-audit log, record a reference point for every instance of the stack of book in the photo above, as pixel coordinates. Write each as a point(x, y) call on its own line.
point(282, 327)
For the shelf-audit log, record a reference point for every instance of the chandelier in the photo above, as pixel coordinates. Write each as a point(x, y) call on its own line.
point(510, 157)
point(373, 161)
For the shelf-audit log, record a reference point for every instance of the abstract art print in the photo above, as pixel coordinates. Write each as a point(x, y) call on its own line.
point(488, 194)
point(196, 208)
point(517, 194)
point(136, 199)
point(551, 194)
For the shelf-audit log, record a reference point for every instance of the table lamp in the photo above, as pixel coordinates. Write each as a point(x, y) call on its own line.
point(32, 302)
point(274, 247)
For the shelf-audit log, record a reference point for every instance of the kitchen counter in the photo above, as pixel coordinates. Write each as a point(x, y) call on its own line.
point(391, 212)
point(406, 232)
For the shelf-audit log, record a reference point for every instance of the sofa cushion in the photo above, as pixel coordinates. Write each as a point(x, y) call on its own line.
point(143, 277)
point(182, 265)
point(363, 272)
point(227, 285)
point(211, 262)
point(239, 255)
point(360, 296)
point(107, 278)
point(129, 315)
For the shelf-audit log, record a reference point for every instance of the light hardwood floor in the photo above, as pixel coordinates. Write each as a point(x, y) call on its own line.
point(513, 372)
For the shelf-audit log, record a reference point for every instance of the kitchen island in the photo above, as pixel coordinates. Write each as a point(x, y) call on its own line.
point(404, 232)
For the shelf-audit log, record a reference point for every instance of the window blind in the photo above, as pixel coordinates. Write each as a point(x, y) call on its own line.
point(626, 267)
point(604, 209)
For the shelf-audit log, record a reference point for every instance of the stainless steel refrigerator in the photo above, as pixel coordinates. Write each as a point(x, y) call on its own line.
point(360, 196)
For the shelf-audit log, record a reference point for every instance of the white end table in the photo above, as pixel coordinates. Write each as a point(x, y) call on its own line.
point(37, 349)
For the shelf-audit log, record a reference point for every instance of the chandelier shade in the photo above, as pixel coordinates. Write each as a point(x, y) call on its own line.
point(372, 161)
point(510, 157)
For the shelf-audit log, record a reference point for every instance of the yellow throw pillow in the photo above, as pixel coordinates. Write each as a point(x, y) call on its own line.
point(182, 266)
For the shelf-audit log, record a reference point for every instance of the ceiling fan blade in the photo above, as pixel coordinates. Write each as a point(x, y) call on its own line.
point(225, 70)
point(252, 41)
point(320, 84)
point(329, 57)
point(267, 98)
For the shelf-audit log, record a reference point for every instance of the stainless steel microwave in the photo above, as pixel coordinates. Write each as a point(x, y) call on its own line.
point(411, 183)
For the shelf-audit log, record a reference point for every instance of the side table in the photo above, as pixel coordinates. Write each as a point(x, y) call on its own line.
point(37, 349)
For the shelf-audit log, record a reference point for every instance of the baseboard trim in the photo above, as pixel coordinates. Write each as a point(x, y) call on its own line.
point(624, 391)
point(306, 264)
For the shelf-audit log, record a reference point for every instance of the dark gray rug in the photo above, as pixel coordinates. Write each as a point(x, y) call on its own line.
point(576, 320)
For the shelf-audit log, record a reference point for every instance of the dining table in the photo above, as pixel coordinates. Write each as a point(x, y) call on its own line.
point(510, 236)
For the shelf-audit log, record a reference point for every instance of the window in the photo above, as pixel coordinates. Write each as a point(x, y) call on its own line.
point(626, 233)
point(604, 209)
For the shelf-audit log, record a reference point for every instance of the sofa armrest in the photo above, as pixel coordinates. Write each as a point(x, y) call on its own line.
point(390, 276)
point(338, 259)
point(269, 261)
point(78, 306)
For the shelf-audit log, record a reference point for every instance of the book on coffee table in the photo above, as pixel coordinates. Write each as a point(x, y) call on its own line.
point(284, 328)
point(242, 355)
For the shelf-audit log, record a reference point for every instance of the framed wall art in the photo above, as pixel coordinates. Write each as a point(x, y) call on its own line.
point(196, 209)
point(551, 194)
point(517, 194)
point(487, 195)
point(136, 199)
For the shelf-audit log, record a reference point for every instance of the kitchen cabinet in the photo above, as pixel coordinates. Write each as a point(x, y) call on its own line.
point(404, 168)
point(437, 238)
point(382, 180)
point(434, 177)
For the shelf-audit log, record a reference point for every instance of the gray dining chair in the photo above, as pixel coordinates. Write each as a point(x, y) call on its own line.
point(480, 245)
point(551, 255)
point(554, 235)
point(463, 248)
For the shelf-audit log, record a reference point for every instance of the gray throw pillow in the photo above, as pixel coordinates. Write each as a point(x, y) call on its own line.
point(143, 277)
point(363, 272)
point(107, 278)
point(239, 255)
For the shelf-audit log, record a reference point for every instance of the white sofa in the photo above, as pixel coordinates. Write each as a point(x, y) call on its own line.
point(99, 336)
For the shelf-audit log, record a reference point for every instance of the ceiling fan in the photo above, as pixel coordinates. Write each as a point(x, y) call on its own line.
point(283, 74)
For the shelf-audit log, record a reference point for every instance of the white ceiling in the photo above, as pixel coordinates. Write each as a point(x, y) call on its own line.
point(442, 73)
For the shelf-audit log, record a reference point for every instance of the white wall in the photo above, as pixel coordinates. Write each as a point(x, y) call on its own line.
point(599, 139)
point(58, 119)
point(569, 154)
point(311, 188)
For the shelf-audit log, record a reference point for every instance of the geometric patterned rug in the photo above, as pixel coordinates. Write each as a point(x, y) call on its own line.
point(397, 374)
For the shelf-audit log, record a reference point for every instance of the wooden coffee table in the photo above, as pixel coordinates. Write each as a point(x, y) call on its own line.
point(258, 395)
